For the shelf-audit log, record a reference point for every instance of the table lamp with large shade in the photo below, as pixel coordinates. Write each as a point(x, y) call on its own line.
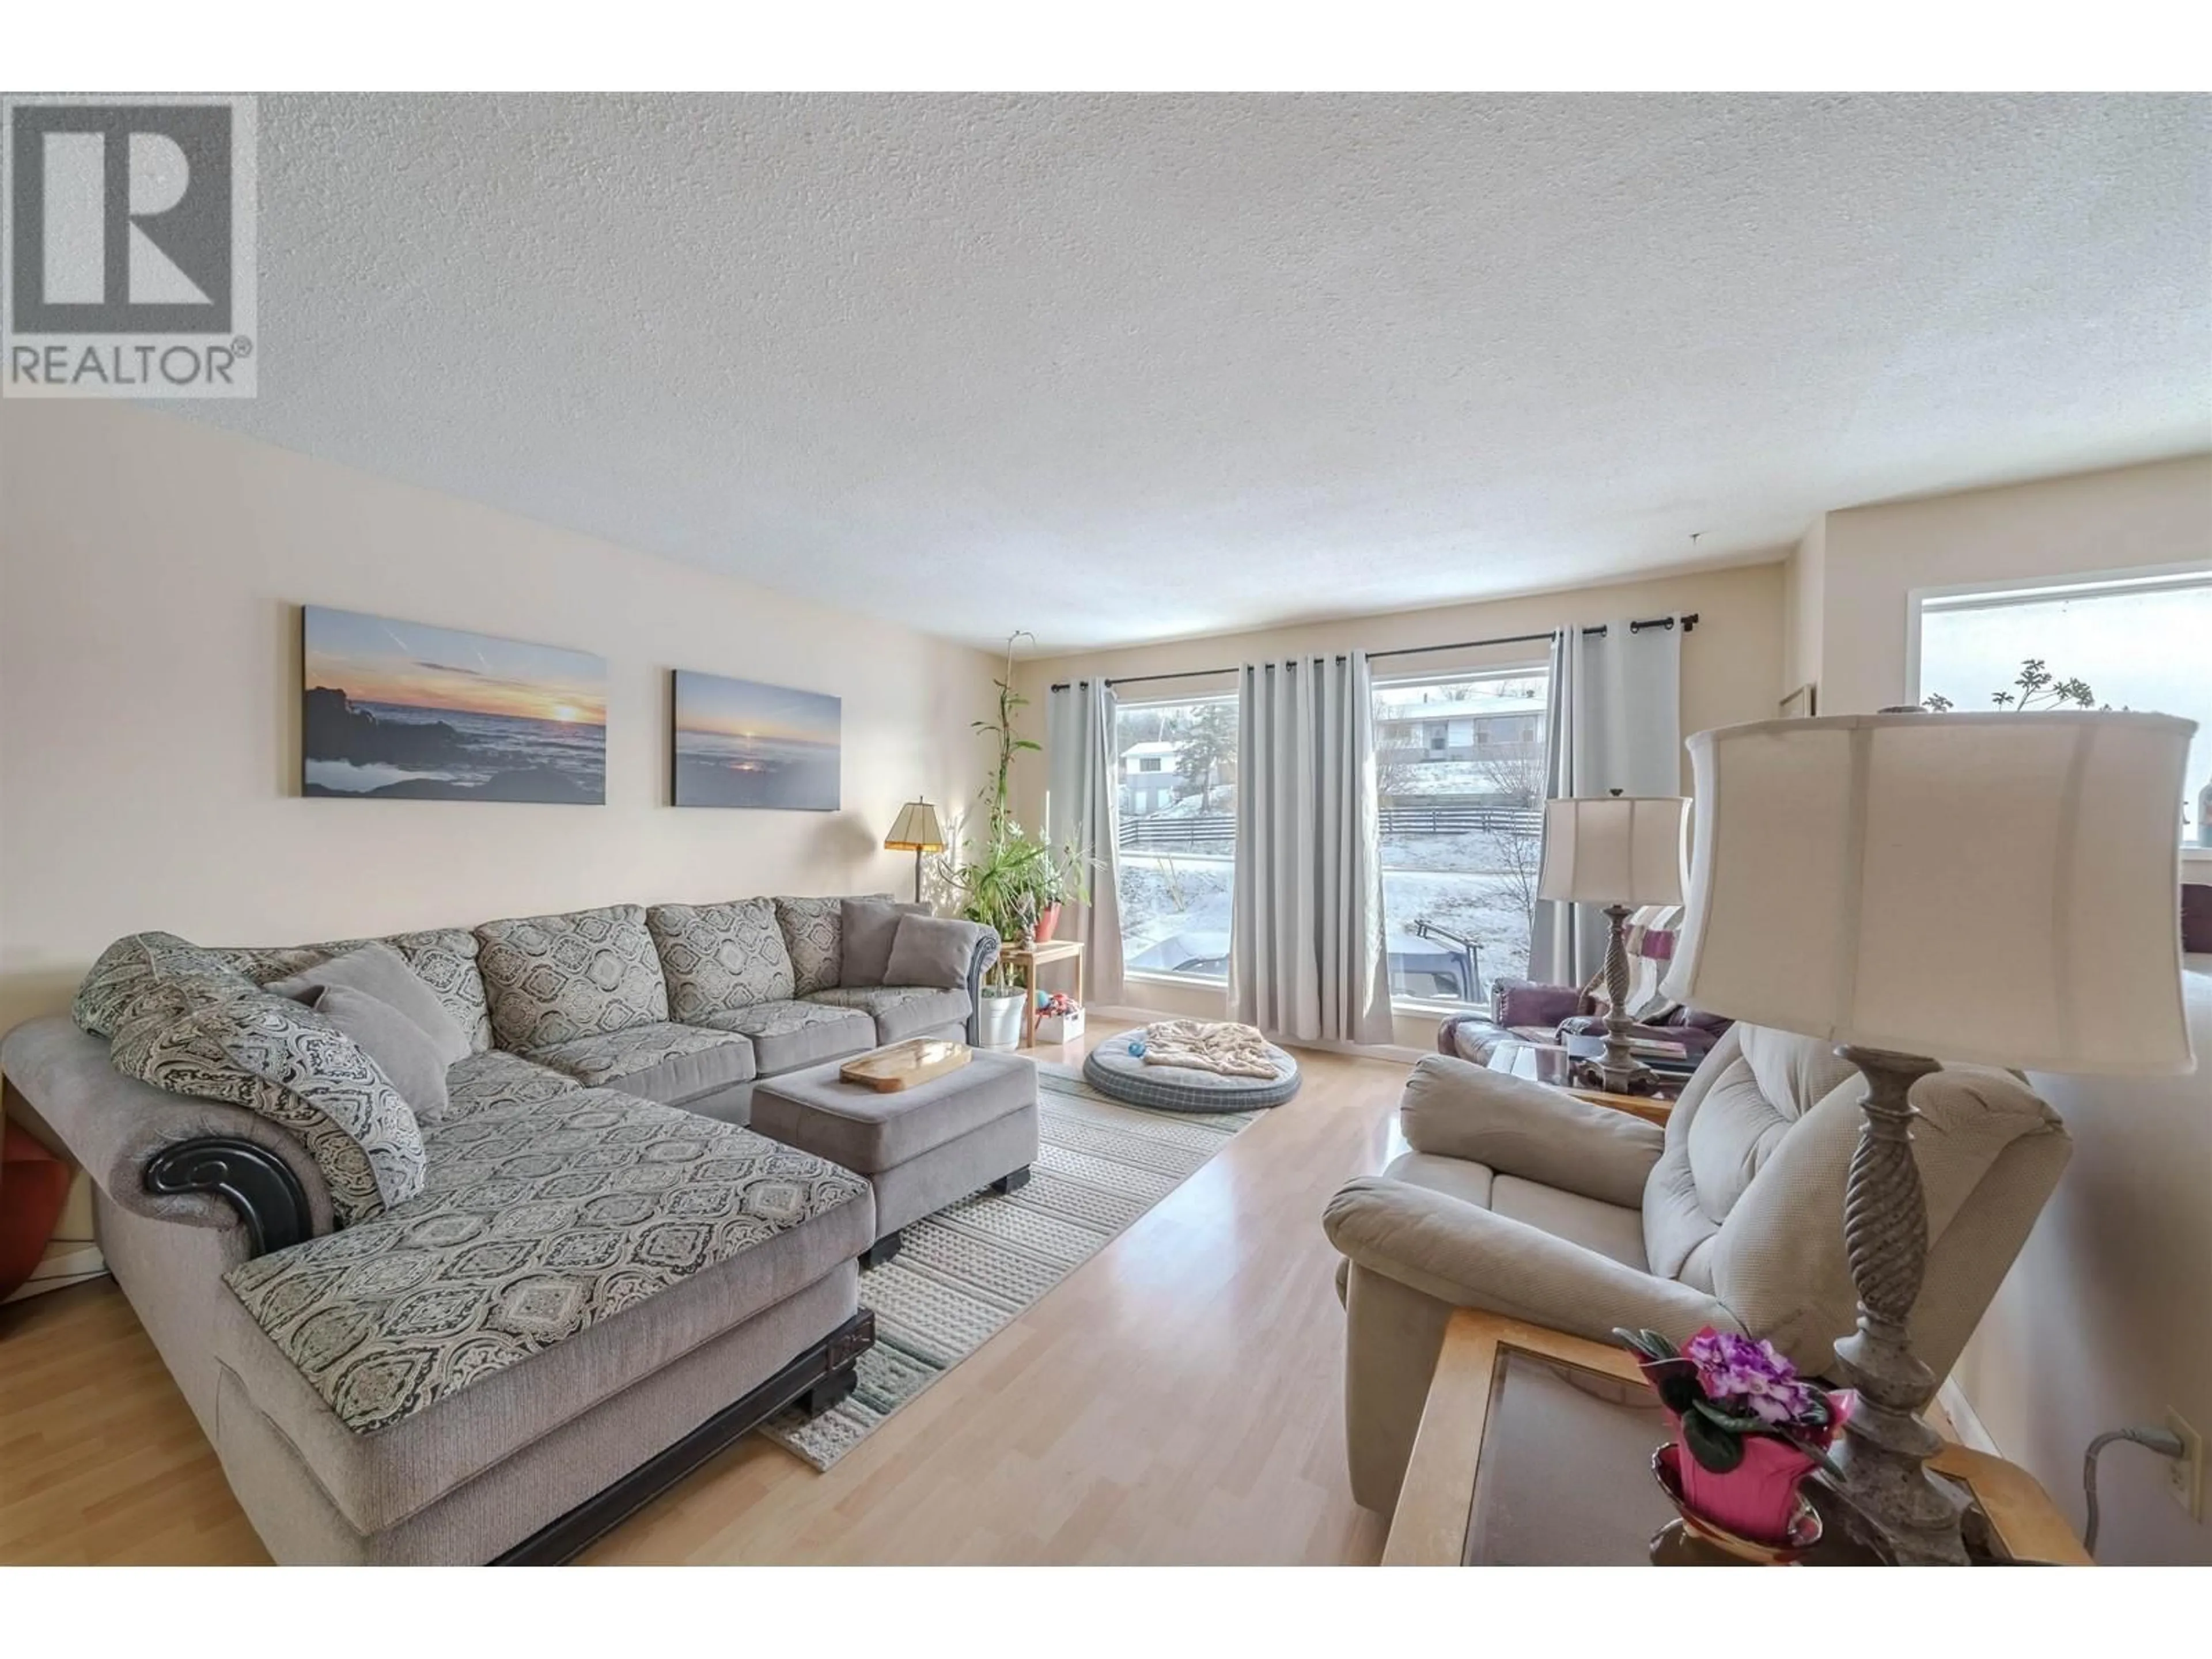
point(1999, 889)
point(1622, 851)
point(915, 830)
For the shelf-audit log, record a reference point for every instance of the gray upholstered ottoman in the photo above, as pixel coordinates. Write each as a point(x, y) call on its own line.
point(920, 1148)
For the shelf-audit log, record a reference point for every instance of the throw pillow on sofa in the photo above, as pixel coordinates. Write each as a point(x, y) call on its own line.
point(443, 958)
point(929, 951)
point(403, 1051)
point(378, 971)
point(813, 935)
point(866, 928)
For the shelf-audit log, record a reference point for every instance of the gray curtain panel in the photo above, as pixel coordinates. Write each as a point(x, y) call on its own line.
point(1615, 723)
point(1306, 956)
point(1083, 811)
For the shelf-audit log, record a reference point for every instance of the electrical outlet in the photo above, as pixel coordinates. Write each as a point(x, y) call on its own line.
point(2185, 1475)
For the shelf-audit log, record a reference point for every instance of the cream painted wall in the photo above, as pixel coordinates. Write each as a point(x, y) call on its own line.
point(2122, 519)
point(150, 575)
point(2106, 1319)
point(1803, 578)
point(1731, 664)
point(1732, 671)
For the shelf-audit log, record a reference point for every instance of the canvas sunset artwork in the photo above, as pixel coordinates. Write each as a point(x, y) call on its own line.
point(399, 710)
point(742, 744)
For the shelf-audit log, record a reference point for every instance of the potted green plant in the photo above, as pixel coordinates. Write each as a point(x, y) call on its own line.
point(998, 880)
point(1062, 875)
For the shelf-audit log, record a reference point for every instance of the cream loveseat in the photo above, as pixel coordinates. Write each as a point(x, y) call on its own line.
point(488, 1322)
point(1528, 1201)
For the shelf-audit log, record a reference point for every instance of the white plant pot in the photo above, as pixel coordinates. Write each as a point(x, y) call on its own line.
point(1002, 1021)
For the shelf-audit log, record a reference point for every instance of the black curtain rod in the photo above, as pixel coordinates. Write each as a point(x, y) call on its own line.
point(1689, 623)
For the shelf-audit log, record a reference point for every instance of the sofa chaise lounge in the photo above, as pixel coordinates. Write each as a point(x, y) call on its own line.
point(487, 1329)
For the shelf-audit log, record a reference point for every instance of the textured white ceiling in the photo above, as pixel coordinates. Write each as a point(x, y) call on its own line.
point(1115, 368)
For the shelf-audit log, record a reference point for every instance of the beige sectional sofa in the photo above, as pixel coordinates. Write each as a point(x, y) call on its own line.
point(489, 1328)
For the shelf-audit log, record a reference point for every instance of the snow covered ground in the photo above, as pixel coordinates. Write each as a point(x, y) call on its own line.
point(1479, 908)
point(1178, 904)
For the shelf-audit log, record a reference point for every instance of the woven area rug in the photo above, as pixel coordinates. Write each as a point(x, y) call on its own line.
point(965, 1272)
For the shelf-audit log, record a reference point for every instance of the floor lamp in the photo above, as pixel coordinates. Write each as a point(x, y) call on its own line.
point(915, 830)
point(1622, 851)
point(1996, 889)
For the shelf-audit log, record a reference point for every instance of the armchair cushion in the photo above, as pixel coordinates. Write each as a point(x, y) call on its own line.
point(1750, 1090)
point(1463, 1255)
point(1453, 1108)
point(1988, 1151)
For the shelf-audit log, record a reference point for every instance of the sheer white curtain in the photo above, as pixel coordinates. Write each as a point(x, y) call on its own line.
point(1306, 956)
point(1082, 812)
point(1615, 722)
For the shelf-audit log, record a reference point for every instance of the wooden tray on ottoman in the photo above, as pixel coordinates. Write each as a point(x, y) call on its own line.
point(903, 1065)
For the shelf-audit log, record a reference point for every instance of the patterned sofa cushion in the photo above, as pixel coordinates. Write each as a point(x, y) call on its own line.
point(665, 1062)
point(210, 1040)
point(536, 1225)
point(786, 1035)
point(900, 1011)
point(553, 979)
point(811, 934)
point(444, 958)
point(133, 963)
point(496, 1081)
point(719, 956)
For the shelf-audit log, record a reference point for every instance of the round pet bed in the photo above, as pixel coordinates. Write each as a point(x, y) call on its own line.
point(1111, 1069)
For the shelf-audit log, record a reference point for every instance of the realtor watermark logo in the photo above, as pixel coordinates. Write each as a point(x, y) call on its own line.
point(128, 247)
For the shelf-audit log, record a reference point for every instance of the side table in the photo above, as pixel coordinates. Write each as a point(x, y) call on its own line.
point(1549, 1063)
point(1534, 1448)
point(1031, 957)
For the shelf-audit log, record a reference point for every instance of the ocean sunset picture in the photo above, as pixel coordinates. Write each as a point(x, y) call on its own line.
point(402, 711)
point(742, 744)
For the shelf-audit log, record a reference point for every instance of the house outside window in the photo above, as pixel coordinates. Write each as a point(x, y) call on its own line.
point(1460, 782)
point(1178, 837)
point(2142, 643)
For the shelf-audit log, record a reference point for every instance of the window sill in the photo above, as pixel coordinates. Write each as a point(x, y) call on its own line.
point(1160, 976)
point(1418, 1008)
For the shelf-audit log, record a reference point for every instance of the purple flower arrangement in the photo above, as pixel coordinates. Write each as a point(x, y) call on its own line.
point(1726, 1389)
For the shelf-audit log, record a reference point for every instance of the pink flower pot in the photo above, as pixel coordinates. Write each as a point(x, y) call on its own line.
point(1047, 918)
point(1756, 1499)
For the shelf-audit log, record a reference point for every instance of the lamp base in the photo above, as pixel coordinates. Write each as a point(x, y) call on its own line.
point(1618, 1073)
point(1893, 1504)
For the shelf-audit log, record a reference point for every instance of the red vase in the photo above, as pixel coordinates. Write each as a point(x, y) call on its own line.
point(1047, 918)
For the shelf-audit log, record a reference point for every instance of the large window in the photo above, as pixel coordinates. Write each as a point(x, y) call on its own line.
point(1178, 766)
point(1459, 777)
point(2143, 643)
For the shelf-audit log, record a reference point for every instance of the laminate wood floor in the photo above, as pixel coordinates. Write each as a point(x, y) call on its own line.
point(1177, 1398)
